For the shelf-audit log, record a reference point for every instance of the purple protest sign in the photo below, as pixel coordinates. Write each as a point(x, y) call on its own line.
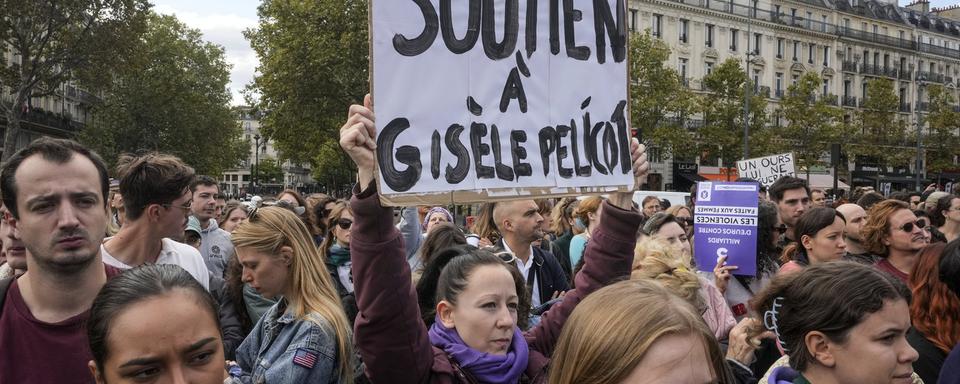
point(725, 224)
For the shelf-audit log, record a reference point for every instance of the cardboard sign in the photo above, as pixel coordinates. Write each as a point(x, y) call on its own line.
point(484, 99)
point(768, 169)
point(725, 224)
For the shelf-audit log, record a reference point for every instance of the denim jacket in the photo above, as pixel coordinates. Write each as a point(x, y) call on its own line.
point(281, 349)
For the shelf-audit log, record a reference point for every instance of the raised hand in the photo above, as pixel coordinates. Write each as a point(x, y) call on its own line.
point(638, 152)
point(358, 137)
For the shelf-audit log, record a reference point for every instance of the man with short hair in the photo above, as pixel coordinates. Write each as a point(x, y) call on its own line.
point(218, 209)
point(56, 191)
point(519, 222)
point(215, 245)
point(818, 198)
point(856, 250)
point(156, 200)
point(14, 254)
point(914, 201)
point(792, 197)
point(893, 233)
point(650, 205)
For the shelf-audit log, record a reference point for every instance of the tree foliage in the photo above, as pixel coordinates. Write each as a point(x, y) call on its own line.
point(659, 100)
point(942, 141)
point(722, 132)
point(171, 97)
point(313, 64)
point(812, 122)
point(269, 171)
point(880, 135)
point(54, 41)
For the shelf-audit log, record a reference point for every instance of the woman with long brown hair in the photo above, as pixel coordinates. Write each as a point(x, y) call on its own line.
point(935, 311)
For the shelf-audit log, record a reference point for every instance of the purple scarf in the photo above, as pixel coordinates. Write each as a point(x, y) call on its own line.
point(484, 367)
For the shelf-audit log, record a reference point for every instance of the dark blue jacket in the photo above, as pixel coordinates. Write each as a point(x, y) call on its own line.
point(550, 276)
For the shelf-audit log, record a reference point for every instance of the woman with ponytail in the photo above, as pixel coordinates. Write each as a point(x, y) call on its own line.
point(819, 234)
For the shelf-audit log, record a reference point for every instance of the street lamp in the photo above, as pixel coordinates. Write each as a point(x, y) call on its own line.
point(748, 92)
point(920, 83)
point(256, 155)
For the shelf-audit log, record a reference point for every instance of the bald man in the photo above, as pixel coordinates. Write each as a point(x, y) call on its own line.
point(855, 216)
point(519, 222)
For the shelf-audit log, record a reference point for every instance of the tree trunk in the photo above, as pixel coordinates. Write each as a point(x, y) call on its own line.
point(12, 131)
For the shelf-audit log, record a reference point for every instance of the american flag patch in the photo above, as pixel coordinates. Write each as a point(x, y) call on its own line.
point(305, 358)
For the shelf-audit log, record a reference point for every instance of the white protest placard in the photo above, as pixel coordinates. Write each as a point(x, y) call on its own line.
point(767, 169)
point(498, 98)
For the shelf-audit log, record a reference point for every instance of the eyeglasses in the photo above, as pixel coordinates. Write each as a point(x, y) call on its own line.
point(782, 228)
point(185, 208)
point(908, 227)
point(685, 221)
point(506, 257)
point(344, 223)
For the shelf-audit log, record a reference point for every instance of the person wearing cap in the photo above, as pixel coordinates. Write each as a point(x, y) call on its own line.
point(191, 234)
point(156, 199)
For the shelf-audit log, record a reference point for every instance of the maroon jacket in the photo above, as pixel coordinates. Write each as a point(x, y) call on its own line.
point(389, 332)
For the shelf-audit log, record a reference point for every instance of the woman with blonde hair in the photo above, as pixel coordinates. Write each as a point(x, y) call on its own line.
point(663, 263)
point(305, 337)
point(586, 216)
point(653, 334)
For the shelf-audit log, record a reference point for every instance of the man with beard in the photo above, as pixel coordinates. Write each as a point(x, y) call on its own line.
point(893, 232)
point(56, 193)
point(520, 222)
point(856, 250)
point(156, 200)
point(215, 245)
point(792, 196)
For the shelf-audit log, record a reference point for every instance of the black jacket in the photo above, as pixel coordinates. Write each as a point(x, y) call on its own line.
point(549, 275)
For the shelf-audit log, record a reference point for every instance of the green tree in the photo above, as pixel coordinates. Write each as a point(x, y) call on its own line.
point(333, 169)
point(813, 123)
point(173, 98)
point(722, 106)
point(55, 41)
point(880, 135)
point(659, 100)
point(942, 141)
point(269, 171)
point(313, 64)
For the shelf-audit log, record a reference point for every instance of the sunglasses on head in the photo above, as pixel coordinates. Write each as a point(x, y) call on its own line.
point(344, 223)
point(908, 227)
point(506, 257)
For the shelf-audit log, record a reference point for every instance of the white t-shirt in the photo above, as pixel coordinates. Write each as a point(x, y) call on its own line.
point(175, 253)
point(525, 271)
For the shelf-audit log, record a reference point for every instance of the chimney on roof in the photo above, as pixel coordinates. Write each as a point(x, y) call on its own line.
point(919, 6)
point(952, 12)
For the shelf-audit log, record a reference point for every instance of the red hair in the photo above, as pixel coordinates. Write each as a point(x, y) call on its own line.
point(935, 309)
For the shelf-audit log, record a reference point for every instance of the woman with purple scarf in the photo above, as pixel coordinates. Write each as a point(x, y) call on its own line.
point(475, 338)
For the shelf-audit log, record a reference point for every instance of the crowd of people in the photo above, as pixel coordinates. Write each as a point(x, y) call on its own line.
point(153, 277)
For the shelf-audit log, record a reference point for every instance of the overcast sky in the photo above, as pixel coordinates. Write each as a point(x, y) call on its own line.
point(222, 22)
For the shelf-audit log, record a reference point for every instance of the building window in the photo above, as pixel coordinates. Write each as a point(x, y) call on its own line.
point(901, 35)
point(733, 40)
point(826, 56)
point(875, 29)
point(809, 19)
point(779, 47)
point(657, 24)
point(633, 20)
point(826, 86)
point(708, 66)
point(682, 68)
point(793, 13)
point(795, 78)
point(757, 40)
point(796, 50)
point(776, 10)
point(709, 36)
point(756, 80)
point(846, 23)
point(811, 52)
point(823, 23)
point(684, 25)
point(778, 84)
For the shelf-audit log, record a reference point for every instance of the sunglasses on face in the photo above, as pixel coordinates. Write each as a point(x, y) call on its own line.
point(344, 223)
point(908, 227)
point(782, 228)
